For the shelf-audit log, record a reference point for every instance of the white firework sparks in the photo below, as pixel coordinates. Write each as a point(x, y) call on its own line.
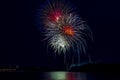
point(59, 43)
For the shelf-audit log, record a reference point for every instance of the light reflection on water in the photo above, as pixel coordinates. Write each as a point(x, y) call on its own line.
point(61, 75)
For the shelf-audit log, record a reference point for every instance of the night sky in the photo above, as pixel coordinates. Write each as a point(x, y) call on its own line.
point(22, 44)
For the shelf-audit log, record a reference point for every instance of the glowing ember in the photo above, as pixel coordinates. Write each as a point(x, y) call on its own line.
point(68, 30)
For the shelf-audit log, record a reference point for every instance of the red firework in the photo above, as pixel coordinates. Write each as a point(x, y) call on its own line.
point(55, 15)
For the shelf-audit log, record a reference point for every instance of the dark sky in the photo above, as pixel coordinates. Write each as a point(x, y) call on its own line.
point(22, 44)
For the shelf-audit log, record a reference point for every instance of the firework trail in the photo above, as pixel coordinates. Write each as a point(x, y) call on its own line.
point(64, 29)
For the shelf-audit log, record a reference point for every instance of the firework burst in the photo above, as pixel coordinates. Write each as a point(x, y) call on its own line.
point(64, 28)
